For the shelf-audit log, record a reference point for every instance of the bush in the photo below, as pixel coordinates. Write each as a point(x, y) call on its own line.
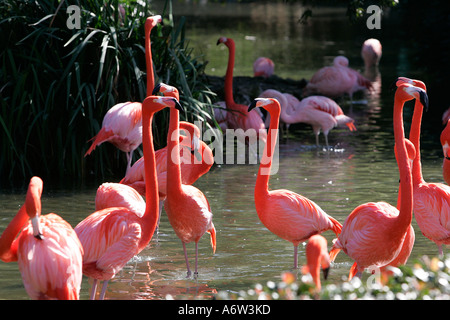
point(57, 83)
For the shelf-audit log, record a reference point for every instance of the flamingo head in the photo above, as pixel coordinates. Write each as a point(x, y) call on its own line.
point(152, 21)
point(445, 140)
point(406, 92)
point(166, 90)
point(157, 103)
point(269, 104)
point(416, 83)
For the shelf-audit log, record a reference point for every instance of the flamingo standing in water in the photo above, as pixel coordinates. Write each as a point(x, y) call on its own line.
point(47, 249)
point(112, 236)
point(337, 80)
point(374, 233)
point(445, 142)
point(288, 215)
point(317, 258)
point(238, 116)
point(122, 124)
point(431, 200)
point(263, 67)
point(320, 112)
point(186, 206)
point(371, 52)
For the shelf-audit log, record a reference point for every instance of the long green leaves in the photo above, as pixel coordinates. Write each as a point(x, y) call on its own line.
point(56, 83)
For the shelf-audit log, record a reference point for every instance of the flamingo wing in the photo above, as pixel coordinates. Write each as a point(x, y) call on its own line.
point(110, 238)
point(51, 267)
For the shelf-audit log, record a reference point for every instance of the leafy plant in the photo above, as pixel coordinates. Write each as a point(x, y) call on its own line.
point(57, 83)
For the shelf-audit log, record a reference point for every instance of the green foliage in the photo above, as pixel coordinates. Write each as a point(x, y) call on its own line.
point(428, 279)
point(57, 83)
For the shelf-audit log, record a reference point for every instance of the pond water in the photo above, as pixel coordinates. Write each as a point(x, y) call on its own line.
point(360, 168)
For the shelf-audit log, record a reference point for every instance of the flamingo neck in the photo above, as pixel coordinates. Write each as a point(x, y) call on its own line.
point(406, 194)
point(149, 62)
point(262, 180)
point(173, 153)
point(8, 247)
point(150, 217)
point(229, 74)
point(414, 137)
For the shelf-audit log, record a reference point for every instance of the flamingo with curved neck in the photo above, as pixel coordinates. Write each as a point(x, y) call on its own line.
point(47, 249)
point(288, 215)
point(373, 234)
point(122, 124)
point(112, 236)
point(238, 116)
point(431, 200)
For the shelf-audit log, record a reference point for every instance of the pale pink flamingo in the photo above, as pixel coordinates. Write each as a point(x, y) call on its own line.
point(336, 80)
point(288, 215)
point(122, 124)
point(112, 236)
point(320, 112)
point(445, 142)
point(263, 67)
point(119, 195)
point(317, 258)
point(371, 52)
point(238, 116)
point(47, 249)
point(431, 200)
point(374, 233)
point(186, 206)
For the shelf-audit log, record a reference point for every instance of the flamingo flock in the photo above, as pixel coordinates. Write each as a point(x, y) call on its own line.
point(52, 256)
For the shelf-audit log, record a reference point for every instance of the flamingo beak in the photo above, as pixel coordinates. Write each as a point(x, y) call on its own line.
point(36, 228)
point(325, 272)
point(424, 99)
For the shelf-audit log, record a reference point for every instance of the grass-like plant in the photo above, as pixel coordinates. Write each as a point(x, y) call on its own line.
point(57, 82)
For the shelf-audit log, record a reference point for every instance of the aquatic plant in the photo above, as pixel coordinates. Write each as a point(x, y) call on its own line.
point(58, 81)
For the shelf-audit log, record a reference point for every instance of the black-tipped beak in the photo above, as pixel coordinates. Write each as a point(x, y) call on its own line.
point(156, 89)
point(178, 105)
point(325, 272)
point(252, 105)
point(39, 236)
point(424, 99)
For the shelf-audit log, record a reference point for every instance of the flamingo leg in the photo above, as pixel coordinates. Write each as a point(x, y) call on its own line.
point(187, 261)
point(196, 260)
point(295, 256)
point(93, 290)
point(105, 285)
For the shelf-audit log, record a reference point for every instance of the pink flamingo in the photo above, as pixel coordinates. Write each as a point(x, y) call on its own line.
point(320, 112)
point(408, 242)
point(186, 206)
point(431, 200)
point(263, 67)
point(122, 124)
point(374, 233)
point(238, 116)
point(288, 215)
point(119, 195)
point(317, 258)
point(337, 80)
point(371, 52)
point(445, 142)
point(47, 250)
point(112, 236)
